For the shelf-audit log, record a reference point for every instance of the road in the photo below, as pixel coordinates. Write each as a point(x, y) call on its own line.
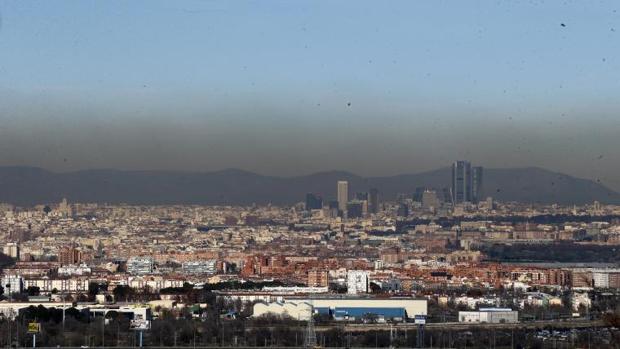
point(466, 326)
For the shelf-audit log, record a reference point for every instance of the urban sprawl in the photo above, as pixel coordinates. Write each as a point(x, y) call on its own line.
point(448, 267)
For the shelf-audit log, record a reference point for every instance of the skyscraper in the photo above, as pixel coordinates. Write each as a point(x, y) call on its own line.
point(332, 204)
point(446, 194)
point(343, 195)
point(355, 209)
point(373, 202)
point(461, 182)
point(361, 196)
point(419, 191)
point(476, 184)
point(403, 210)
point(430, 201)
point(313, 202)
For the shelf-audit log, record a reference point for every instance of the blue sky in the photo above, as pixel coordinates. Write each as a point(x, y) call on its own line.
point(266, 85)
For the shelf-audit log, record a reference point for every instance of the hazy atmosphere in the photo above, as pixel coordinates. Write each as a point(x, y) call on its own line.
point(310, 174)
point(288, 88)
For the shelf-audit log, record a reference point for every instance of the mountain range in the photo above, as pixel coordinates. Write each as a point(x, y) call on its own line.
point(27, 186)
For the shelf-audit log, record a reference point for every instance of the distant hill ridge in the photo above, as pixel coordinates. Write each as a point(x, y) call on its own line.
point(26, 186)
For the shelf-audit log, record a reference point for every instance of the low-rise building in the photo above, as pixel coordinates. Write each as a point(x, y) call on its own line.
point(140, 265)
point(318, 278)
point(200, 267)
point(301, 311)
point(72, 269)
point(490, 315)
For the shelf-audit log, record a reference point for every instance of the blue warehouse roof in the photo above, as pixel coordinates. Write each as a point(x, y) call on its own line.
point(322, 310)
point(359, 312)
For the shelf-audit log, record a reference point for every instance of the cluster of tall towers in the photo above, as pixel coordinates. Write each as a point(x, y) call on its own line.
point(466, 182)
point(362, 203)
point(466, 186)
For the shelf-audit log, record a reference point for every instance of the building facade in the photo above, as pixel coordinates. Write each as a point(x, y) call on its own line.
point(318, 278)
point(490, 315)
point(357, 281)
point(343, 195)
point(476, 184)
point(140, 265)
point(313, 202)
point(461, 182)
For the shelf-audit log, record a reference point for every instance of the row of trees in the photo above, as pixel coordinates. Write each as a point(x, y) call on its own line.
point(185, 330)
point(213, 326)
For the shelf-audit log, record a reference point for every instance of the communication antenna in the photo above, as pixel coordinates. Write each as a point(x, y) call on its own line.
point(452, 197)
point(310, 340)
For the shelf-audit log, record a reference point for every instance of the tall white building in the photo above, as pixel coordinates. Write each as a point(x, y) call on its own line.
point(343, 195)
point(11, 249)
point(12, 284)
point(357, 281)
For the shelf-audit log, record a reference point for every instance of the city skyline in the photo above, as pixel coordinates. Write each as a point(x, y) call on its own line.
point(30, 186)
point(309, 174)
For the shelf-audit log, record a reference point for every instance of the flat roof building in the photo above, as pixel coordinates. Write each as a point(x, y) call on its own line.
point(490, 315)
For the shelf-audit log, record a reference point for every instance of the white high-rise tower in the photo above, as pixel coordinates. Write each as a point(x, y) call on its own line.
point(343, 195)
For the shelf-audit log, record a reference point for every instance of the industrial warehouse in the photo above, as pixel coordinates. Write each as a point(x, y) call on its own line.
point(346, 309)
point(490, 315)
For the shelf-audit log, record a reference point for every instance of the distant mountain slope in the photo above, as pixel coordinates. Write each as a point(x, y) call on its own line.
point(29, 186)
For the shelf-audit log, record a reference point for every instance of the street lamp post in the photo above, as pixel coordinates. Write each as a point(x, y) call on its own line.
point(64, 307)
point(8, 287)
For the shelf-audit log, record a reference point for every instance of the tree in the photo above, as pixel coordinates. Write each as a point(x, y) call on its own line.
point(81, 297)
point(337, 288)
point(374, 288)
point(612, 318)
point(123, 292)
point(94, 288)
point(32, 290)
point(112, 315)
point(6, 261)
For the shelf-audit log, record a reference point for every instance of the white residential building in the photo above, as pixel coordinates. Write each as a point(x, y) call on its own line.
point(357, 281)
point(200, 267)
point(11, 249)
point(72, 269)
point(140, 265)
point(13, 284)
